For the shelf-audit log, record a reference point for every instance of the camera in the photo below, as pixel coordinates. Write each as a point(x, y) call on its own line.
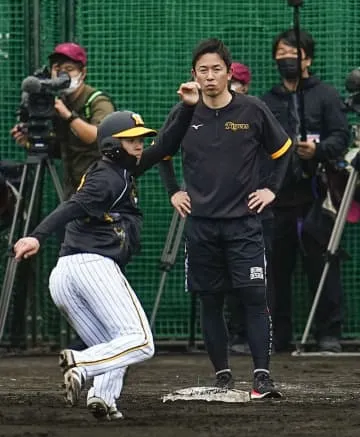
point(36, 111)
point(352, 85)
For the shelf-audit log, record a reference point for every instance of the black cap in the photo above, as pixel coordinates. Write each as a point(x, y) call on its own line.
point(123, 124)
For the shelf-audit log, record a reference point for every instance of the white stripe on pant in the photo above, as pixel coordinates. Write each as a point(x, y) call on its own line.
point(103, 309)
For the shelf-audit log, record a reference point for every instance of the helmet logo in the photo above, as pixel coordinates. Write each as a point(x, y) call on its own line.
point(138, 119)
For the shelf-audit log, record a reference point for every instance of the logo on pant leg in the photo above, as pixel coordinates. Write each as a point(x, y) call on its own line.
point(256, 273)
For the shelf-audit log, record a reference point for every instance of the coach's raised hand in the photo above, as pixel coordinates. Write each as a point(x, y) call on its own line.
point(26, 247)
point(189, 92)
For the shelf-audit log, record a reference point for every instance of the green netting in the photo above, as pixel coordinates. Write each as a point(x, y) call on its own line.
point(48, 320)
point(139, 52)
point(42, 318)
point(11, 70)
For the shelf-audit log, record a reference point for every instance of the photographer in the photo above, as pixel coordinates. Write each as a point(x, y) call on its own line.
point(80, 109)
point(241, 78)
point(327, 139)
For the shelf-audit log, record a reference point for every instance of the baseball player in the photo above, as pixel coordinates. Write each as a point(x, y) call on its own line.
point(102, 232)
point(241, 78)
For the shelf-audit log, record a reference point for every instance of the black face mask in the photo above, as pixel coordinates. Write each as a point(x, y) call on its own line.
point(127, 161)
point(288, 68)
point(111, 148)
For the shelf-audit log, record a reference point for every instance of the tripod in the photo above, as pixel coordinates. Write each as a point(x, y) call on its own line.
point(167, 261)
point(331, 254)
point(38, 162)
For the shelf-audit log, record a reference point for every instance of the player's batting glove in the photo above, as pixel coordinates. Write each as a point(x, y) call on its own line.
point(356, 162)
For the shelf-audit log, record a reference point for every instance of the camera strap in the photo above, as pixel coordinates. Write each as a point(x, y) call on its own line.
point(90, 99)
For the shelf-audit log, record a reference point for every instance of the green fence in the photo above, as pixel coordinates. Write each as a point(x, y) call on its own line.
point(139, 52)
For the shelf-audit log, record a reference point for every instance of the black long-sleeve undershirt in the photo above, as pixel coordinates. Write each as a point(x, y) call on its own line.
point(163, 146)
point(58, 219)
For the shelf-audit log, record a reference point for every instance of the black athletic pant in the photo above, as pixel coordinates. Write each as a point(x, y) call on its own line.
point(235, 307)
point(228, 254)
point(286, 246)
point(257, 322)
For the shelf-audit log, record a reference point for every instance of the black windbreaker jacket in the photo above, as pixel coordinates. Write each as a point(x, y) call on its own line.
point(324, 116)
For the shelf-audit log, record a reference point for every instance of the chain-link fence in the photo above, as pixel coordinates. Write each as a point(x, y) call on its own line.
point(138, 53)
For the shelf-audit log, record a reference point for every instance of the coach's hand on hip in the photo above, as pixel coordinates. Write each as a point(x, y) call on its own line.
point(182, 203)
point(189, 92)
point(259, 199)
point(26, 247)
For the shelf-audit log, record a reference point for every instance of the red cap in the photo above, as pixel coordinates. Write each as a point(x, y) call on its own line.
point(71, 50)
point(241, 73)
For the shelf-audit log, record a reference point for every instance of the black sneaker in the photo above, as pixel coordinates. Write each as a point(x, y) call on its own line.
point(264, 387)
point(330, 344)
point(224, 380)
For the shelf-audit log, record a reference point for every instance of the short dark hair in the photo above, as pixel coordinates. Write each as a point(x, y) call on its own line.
point(307, 42)
point(212, 45)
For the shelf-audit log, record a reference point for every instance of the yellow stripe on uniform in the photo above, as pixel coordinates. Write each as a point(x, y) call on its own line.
point(108, 218)
point(282, 149)
point(82, 182)
point(114, 357)
point(132, 349)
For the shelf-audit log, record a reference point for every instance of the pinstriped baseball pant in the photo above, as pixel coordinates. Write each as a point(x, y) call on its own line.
point(99, 303)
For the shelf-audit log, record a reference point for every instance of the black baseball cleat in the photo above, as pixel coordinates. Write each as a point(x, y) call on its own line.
point(224, 380)
point(101, 411)
point(73, 382)
point(264, 387)
point(66, 360)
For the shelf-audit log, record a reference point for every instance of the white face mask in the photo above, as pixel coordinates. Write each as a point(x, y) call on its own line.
point(235, 85)
point(76, 81)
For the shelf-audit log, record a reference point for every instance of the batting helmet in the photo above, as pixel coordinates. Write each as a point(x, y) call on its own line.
point(117, 125)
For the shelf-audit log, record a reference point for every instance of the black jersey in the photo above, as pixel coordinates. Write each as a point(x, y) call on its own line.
point(112, 221)
point(103, 216)
point(221, 156)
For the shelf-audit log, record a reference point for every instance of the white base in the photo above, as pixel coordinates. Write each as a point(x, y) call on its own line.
point(208, 394)
point(325, 354)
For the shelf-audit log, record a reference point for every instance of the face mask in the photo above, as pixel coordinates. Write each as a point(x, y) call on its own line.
point(288, 68)
point(112, 149)
point(74, 85)
point(235, 85)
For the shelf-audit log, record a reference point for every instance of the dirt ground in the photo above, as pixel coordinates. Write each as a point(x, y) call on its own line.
point(322, 399)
